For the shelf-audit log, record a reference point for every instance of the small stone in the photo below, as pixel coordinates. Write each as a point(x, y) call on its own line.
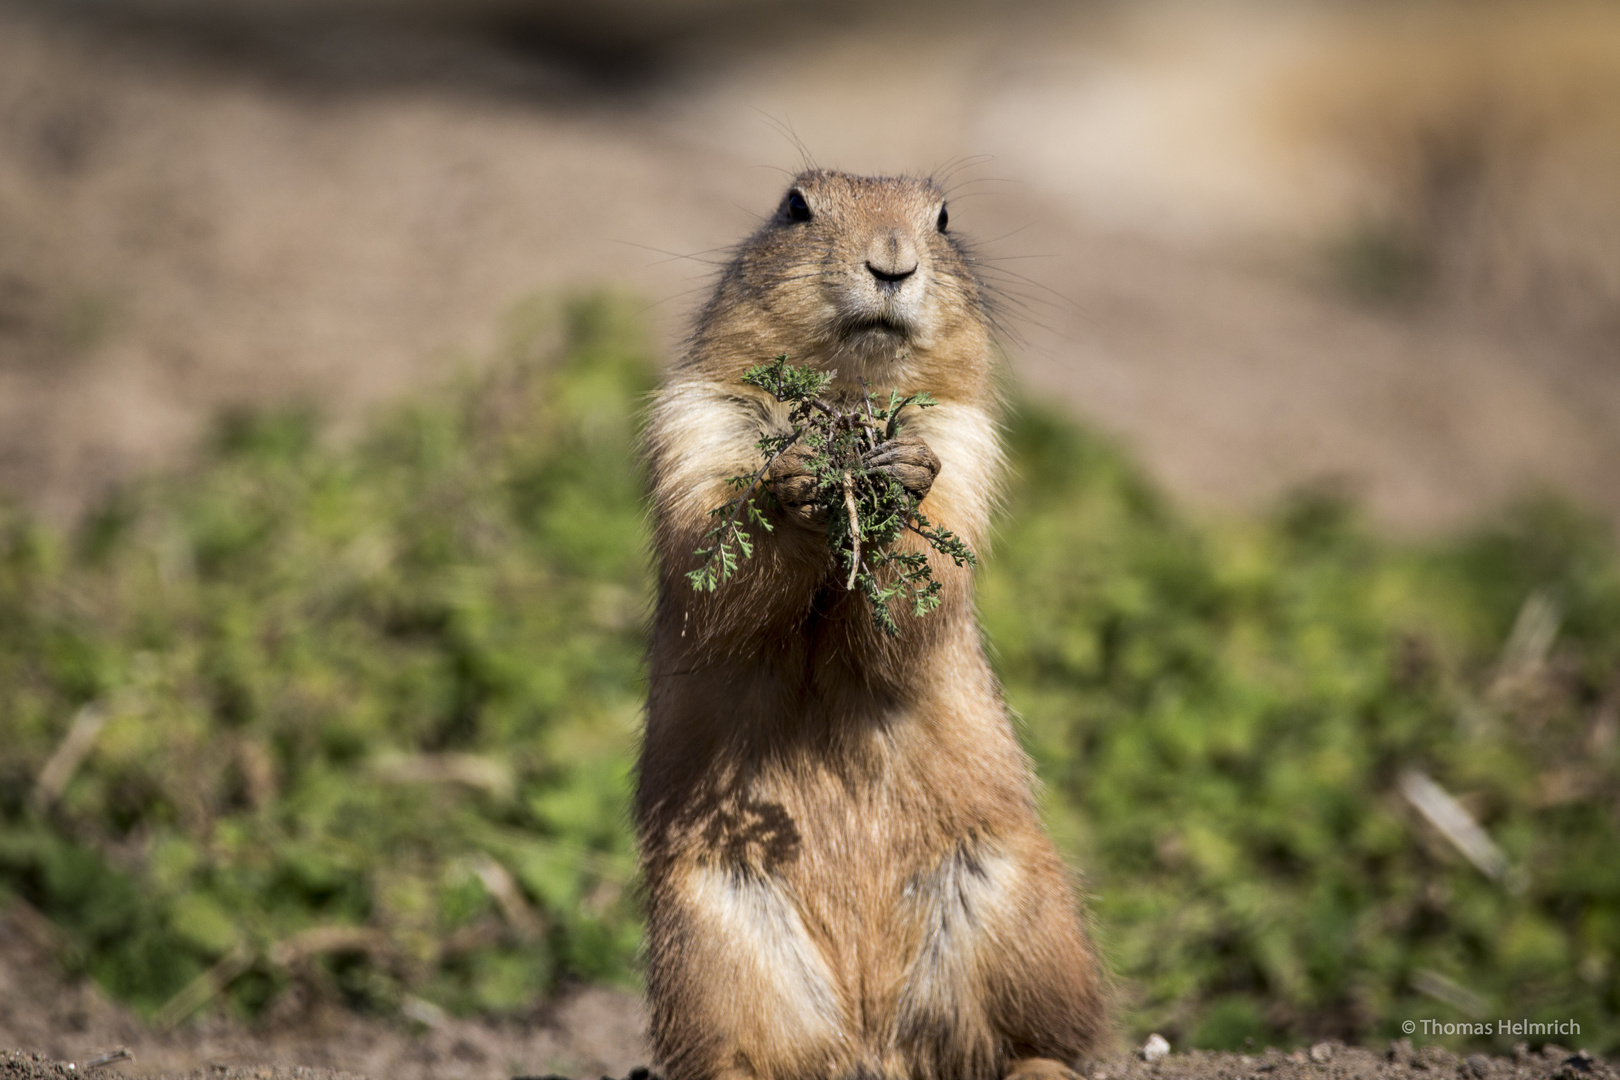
point(1155, 1048)
point(1479, 1065)
point(1322, 1053)
point(1435, 1057)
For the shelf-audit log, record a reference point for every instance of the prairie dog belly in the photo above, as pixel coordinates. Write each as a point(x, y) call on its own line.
point(899, 997)
point(750, 932)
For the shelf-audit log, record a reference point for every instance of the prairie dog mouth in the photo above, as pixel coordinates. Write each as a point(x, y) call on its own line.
point(885, 325)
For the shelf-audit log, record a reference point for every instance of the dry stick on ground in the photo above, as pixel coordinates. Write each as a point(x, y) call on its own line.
point(109, 1058)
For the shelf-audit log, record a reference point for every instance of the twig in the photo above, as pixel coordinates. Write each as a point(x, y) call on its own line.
point(742, 499)
point(1435, 985)
point(854, 530)
point(322, 940)
point(201, 990)
point(514, 907)
point(69, 755)
point(817, 403)
point(476, 771)
point(110, 1057)
point(848, 419)
point(866, 402)
point(423, 1012)
point(1524, 654)
point(1456, 824)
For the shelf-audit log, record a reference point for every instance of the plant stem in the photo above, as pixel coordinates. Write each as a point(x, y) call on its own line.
point(854, 530)
point(866, 401)
point(742, 500)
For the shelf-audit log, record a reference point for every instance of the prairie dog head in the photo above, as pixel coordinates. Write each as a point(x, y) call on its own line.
point(858, 274)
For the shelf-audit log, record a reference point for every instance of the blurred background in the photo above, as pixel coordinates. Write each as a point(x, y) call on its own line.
point(323, 329)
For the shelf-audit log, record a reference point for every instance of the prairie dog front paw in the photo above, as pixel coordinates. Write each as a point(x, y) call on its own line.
point(908, 460)
point(794, 487)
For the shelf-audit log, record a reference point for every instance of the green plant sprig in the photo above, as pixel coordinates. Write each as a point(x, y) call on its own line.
point(876, 508)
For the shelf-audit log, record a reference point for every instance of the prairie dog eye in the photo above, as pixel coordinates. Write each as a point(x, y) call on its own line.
point(944, 217)
point(798, 209)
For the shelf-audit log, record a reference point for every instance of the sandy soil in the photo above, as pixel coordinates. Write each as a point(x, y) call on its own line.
point(200, 213)
point(588, 1033)
point(1325, 1061)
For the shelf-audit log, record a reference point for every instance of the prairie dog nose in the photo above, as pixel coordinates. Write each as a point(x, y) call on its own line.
point(891, 257)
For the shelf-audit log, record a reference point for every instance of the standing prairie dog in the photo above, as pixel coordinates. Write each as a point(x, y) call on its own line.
point(845, 875)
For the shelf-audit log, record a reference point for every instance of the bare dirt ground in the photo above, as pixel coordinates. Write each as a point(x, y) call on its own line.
point(589, 1033)
point(1325, 1061)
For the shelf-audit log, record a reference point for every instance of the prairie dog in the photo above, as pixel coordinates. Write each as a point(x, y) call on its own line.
point(845, 876)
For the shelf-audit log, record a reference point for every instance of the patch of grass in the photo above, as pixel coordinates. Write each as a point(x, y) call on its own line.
point(391, 685)
point(362, 717)
point(1224, 712)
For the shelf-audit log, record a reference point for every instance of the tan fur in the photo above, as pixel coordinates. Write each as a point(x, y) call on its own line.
point(845, 873)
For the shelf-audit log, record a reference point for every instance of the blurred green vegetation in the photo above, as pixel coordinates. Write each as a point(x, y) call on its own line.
point(1223, 714)
point(359, 716)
